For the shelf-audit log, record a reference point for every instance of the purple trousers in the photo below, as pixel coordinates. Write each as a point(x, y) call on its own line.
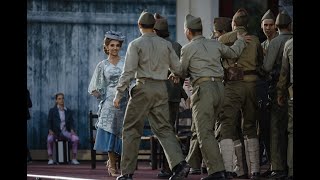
point(71, 137)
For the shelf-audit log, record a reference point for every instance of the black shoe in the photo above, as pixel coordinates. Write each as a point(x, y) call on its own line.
point(255, 176)
point(229, 175)
point(164, 175)
point(204, 170)
point(277, 175)
point(216, 176)
point(29, 160)
point(125, 177)
point(245, 176)
point(195, 171)
point(266, 174)
point(180, 171)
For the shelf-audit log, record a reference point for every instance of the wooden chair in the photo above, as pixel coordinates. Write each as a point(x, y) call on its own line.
point(92, 120)
point(151, 139)
point(183, 133)
point(154, 150)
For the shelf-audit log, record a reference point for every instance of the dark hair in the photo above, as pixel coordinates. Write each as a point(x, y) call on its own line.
point(147, 26)
point(283, 26)
point(195, 31)
point(241, 20)
point(220, 31)
point(58, 94)
point(162, 33)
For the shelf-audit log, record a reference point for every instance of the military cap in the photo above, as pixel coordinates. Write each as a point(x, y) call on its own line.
point(268, 15)
point(161, 23)
point(146, 18)
point(222, 24)
point(283, 18)
point(158, 16)
point(241, 17)
point(192, 22)
point(114, 35)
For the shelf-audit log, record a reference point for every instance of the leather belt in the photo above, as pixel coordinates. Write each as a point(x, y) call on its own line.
point(203, 79)
point(143, 80)
point(250, 72)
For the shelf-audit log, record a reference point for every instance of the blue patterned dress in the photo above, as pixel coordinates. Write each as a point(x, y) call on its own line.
point(110, 121)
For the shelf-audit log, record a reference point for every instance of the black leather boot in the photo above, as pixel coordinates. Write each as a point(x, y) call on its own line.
point(220, 175)
point(255, 176)
point(277, 175)
point(163, 174)
point(266, 174)
point(125, 177)
point(180, 171)
point(229, 175)
point(204, 170)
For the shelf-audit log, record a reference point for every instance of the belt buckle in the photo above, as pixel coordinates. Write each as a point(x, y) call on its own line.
point(212, 79)
point(141, 81)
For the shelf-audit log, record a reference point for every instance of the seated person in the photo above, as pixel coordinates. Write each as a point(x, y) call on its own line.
point(61, 127)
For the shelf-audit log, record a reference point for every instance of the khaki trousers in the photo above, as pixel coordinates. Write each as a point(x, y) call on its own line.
point(149, 98)
point(206, 101)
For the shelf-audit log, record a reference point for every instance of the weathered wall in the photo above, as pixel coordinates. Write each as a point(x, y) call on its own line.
point(64, 44)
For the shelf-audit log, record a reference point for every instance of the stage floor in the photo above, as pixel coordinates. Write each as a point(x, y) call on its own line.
point(83, 171)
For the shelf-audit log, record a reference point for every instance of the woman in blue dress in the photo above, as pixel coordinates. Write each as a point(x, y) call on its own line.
point(103, 87)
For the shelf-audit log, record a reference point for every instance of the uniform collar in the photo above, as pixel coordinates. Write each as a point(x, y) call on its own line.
point(240, 28)
point(197, 37)
point(285, 33)
point(149, 34)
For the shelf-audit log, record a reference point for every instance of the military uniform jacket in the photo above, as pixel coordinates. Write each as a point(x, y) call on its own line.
point(273, 58)
point(201, 57)
point(266, 43)
point(251, 57)
point(148, 56)
point(286, 68)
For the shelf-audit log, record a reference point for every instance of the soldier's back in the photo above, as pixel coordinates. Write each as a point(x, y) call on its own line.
point(249, 56)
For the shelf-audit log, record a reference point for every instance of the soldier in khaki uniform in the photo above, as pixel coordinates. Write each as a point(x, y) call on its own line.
point(221, 25)
point(286, 83)
point(240, 94)
point(148, 59)
point(279, 114)
point(175, 90)
point(270, 31)
point(200, 60)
